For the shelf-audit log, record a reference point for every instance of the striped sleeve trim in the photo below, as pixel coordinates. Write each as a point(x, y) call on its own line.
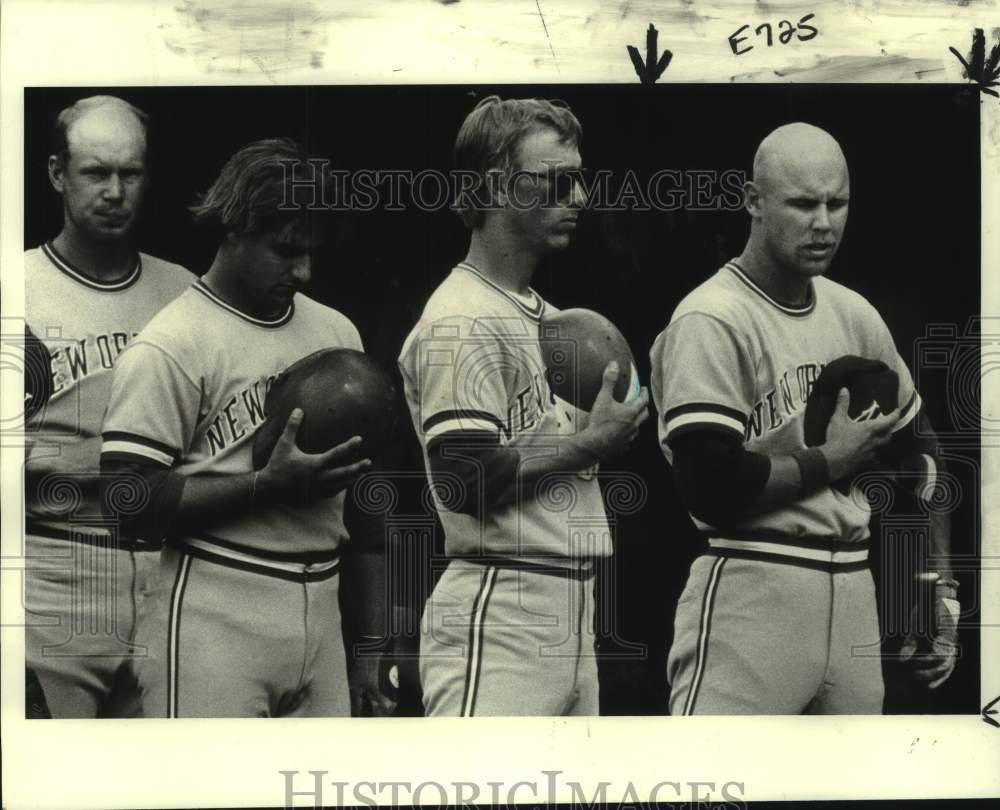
point(702, 415)
point(447, 421)
point(129, 445)
point(911, 409)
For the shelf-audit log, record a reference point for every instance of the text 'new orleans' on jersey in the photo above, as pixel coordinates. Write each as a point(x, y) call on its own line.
point(473, 362)
point(733, 359)
point(85, 323)
point(189, 392)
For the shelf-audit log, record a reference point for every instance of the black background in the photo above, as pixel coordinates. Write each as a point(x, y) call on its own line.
point(911, 247)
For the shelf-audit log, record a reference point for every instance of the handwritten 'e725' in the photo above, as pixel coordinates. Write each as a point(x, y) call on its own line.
point(786, 32)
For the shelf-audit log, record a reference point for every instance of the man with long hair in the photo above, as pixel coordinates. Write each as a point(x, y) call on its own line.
point(244, 620)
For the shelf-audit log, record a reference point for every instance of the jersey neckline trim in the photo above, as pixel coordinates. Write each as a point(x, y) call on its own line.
point(533, 311)
point(789, 309)
point(212, 296)
point(65, 266)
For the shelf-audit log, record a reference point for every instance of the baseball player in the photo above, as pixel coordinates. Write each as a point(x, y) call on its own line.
point(244, 620)
point(508, 629)
point(87, 293)
point(772, 613)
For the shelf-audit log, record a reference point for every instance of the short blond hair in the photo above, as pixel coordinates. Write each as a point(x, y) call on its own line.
point(491, 135)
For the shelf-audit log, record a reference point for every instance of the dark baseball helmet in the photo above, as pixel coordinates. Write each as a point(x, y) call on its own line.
point(873, 386)
point(37, 374)
point(342, 393)
point(577, 345)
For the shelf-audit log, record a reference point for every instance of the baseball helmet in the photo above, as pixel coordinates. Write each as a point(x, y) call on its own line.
point(577, 345)
point(873, 386)
point(37, 374)
point(342, 393)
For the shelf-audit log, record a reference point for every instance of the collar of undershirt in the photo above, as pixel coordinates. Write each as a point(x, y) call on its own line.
point(67, 267)
point(796, 310)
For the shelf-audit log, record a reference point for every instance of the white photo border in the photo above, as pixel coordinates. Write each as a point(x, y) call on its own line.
point(157, 763)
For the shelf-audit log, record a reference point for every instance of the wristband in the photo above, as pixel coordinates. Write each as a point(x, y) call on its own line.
point(951, 586)
point(813, 469)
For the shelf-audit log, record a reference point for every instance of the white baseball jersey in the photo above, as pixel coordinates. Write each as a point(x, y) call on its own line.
point(473, 362)
point(189, 394)
point(733, 359)
point(85, 323)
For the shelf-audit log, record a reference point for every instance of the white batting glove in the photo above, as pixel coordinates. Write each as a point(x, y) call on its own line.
point(932, 666)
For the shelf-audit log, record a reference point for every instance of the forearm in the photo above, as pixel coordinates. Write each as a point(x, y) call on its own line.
point(170, 502)
point(207, 500)
point(721, 482)
point(369, 566)
point(915, 454)
point(489, 475)
point(783, 486)
point(536, 465)
point(364, 564)
point(940, 545)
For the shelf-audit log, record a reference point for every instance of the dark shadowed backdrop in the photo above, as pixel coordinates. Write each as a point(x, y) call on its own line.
point(911, 247)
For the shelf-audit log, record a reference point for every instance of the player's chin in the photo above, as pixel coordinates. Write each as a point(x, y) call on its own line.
point(283, 295)
point(814, 264)
point(559, 239)
point(110, 230)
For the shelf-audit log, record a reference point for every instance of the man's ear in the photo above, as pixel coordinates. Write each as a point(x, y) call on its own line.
point(56, 173)
point(752, 198)
point(496, 185)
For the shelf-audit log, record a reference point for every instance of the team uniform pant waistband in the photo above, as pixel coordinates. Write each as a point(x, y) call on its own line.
point(585, 569)
point(298, 567)
point(826, 554)
point(89, 535)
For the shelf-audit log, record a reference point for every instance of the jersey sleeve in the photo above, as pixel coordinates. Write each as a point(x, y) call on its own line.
point(884, 348)
point(702, 378)
point(153, 408)
point(348, 336)
point(459, 368)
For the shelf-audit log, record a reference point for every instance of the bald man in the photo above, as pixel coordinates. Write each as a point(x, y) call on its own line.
point(778, 615)
point(87, 292)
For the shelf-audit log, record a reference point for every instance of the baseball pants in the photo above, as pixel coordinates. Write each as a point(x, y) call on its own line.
point(509, 641)
point(755, 636)
point(242, 637)
point(82, 594)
